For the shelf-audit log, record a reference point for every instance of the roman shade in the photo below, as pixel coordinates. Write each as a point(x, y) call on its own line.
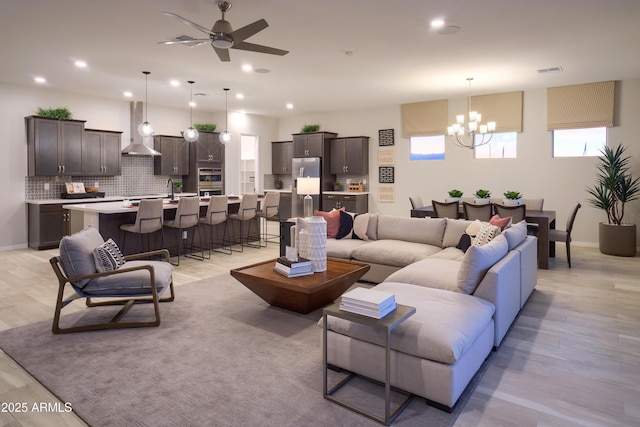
point(503, 108)
point(427, 118)
point(580, 106)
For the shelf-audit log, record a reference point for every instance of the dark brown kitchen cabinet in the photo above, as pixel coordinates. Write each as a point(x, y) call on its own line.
point(208, 148)
point(101, 152)
point(350, 155)
point(47, 225)
point(281, 155)
point(175, 155)
point(357, 203)
point(54, 146)
point(313, 144)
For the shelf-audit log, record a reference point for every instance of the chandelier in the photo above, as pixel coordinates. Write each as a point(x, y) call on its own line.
point(466, 137)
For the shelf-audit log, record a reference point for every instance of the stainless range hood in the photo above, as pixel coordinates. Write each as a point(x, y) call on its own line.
point(137, 146)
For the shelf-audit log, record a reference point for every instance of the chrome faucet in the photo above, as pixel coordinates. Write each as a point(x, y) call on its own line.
point(170, 182)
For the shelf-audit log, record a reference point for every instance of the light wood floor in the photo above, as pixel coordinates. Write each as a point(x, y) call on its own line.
point(572, 357)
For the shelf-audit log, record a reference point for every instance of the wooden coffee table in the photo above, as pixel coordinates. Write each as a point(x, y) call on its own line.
point(300, 294)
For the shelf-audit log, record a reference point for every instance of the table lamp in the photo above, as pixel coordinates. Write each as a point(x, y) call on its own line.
point(308, 185)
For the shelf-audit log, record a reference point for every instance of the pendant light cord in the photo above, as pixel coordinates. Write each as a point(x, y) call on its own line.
point(226, 110)
point(146, 95)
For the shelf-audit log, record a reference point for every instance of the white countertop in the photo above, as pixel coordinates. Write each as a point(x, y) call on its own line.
point(346, 193)
point(273, 190)
point(117, 207)
point(101, 199)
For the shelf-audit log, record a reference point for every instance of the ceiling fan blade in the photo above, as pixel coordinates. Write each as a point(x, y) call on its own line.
point(223, 54)
point(184, 41)
point(186, 21)
point(259, 48)
point(247, 31)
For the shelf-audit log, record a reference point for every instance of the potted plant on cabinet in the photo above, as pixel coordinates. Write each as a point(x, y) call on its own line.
point(482, 197)
point(277, 184)
point(337, 186)
point(60, 113)
point(177, 187)
point(613, 189)
point(310, 128)
point(454, 195)
point(512, 198)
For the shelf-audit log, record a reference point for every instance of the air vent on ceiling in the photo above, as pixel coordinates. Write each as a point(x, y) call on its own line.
point(186, 38)
point(200, 94)
point(550, 70)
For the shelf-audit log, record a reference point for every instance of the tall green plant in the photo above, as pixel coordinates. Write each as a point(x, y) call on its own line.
point(615, 186)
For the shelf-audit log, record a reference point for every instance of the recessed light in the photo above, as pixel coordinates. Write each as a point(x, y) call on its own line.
point(127, 94)
point(239, 96)
point(289, 106)
point(192, 104)
point(80, 64)
point(247, 67)
point(437, 23)
point(40, 80)
point(174, 83)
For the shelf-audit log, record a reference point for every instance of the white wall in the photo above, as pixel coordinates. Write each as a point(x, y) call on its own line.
point(535, 173)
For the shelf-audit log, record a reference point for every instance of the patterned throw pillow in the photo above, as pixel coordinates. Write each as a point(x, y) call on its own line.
point(485, 234)
point(108, 256)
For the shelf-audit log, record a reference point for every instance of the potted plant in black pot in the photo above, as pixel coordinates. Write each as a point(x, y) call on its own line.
point(613, 189)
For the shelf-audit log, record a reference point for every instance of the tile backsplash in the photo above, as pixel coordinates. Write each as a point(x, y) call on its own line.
point(137, 179)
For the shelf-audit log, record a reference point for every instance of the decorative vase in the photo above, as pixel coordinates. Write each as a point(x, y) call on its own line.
point(477, 201)
point(312, 241)
point(511, 202)
point(618, 240)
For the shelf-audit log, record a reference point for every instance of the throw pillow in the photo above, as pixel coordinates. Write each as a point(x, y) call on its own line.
point(333, 222)
point(108, 256)
point(474, 227)
point(464, 243)
point(360, 226)
point(500, 222)
point(346, 225)
point(486, 234)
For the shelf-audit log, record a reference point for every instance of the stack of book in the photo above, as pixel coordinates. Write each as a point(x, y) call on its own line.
point(287, 268)
point(368, 302)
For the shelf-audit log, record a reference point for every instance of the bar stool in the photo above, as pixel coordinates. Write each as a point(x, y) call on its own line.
point(187, 216)
point(148, 220)
point(246, 212)
point(270, 209)
point(217, 214)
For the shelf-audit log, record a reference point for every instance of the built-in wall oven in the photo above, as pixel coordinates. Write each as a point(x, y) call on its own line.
point(210, 181)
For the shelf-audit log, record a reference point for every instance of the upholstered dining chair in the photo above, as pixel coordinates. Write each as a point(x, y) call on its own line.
point(445, 209)
point(148, 220)
point(565, 235)
point(416, 202)
point(473, 212)
point(247, 211)
point(187, 217)
point(533, 204)
point(217, 214)
point(517, 213)
point(270, 210)
point(97, 269)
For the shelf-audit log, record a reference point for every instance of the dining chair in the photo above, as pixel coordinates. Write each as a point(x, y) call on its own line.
point(565, 235)
point(270, 210)
point(445, 209)
point(217, 214)
point(480, 212)
point(247, 211)
point(517, 213)
point(148, 220)
point(416, 202)
point(533, 204)
point(187, 217)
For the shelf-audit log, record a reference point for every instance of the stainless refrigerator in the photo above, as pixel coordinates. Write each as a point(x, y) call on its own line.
point(303, 167)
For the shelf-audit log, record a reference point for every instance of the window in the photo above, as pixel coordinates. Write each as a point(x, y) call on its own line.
point(502, 146)
point(427, 147)
point(579, 142)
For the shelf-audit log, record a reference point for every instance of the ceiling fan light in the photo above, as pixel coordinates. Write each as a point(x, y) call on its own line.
point(222, 41)
point(225, 137)
point(191, 134)
point(145, 129)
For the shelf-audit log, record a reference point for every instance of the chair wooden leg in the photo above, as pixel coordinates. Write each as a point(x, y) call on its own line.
point(569, 253)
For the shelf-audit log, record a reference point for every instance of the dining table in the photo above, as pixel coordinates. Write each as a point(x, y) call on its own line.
point(545, 220)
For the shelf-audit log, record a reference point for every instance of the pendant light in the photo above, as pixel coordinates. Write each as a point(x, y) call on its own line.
point(191, 134)
point(225, 137)
point(145, 128)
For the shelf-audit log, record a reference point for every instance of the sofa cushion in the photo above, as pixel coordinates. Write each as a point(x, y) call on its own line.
point(372, 227)
point(477, 261)
point(360, 226)
point(76, 253)
point(464, 243)
point(333, 222)
point(429, 231)
point(449, 253)
point(444, 326)
point(430, 272)
point(453, 230)
point(516, 234)
point(393, 252)
point(342, 248)
point(133, 282)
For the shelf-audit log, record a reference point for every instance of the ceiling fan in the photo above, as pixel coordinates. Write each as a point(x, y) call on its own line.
point(223, 37)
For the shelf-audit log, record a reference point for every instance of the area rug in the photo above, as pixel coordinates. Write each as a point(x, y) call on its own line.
point(221, 357)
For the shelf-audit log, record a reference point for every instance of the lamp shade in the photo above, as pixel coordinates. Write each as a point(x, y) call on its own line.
point(309, 185)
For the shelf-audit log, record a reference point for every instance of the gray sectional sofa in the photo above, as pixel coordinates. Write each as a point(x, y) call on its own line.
point(465, 301)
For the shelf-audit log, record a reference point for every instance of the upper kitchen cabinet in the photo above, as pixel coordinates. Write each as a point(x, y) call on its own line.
point(313, 144)
point(175, 155)
point(281, 155)
point(54, 146)
point(101, 152)
point(208, 148)
point(350, 155)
